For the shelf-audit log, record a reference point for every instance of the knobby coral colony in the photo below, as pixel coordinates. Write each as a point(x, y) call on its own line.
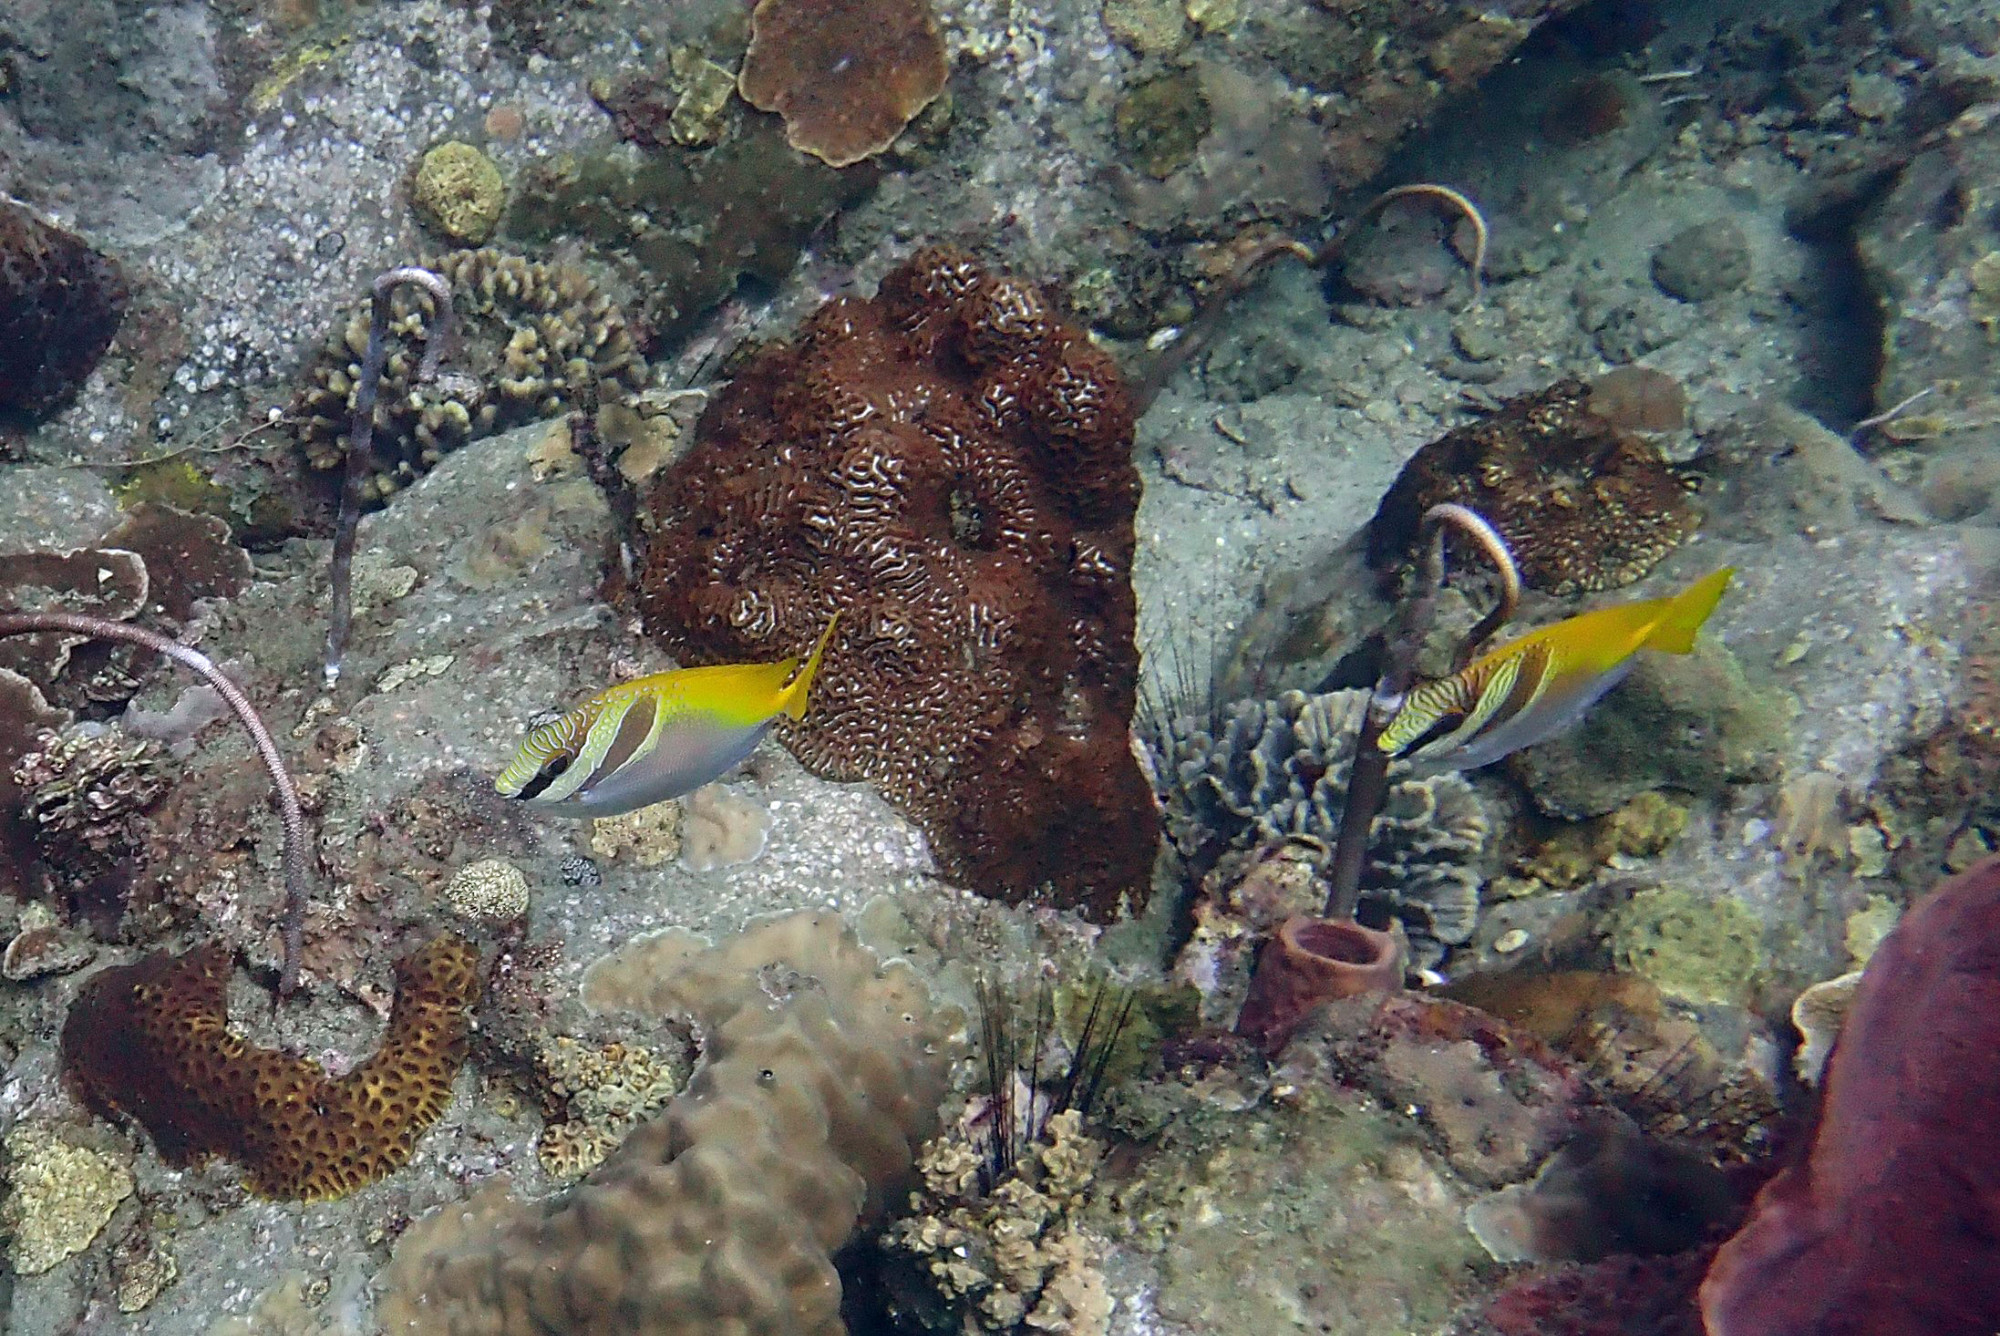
point(151, 1040)
point(949, 467)
point(531, 341)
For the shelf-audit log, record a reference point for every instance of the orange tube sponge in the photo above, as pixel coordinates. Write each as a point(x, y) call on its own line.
point(823, 1075)
point(151, 1040)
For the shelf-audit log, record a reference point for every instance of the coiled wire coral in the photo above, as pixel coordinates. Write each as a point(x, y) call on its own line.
point(532, 340)
point(1266, 772)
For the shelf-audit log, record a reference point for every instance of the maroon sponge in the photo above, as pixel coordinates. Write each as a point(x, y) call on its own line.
point(1891, 1226)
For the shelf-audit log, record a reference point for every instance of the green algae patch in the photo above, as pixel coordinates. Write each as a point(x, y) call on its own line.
point(1688, 946)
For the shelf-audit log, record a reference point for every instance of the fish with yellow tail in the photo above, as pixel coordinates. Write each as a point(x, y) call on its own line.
point(1531, 689)
point(654, 738)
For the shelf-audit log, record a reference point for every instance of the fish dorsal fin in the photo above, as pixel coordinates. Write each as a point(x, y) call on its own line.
point(1682, 616)
point(792, 698)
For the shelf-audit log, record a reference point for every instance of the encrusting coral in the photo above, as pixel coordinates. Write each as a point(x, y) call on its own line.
point(822, 1077)
point(1277, 770)
point(847, 78)
point(1582, 504)
point(948, 467)
point(531, 340)
point(151, 1040)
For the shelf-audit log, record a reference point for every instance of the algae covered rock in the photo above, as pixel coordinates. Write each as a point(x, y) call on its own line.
point(459, 191)
point(1687, 945)
point(1694, 724)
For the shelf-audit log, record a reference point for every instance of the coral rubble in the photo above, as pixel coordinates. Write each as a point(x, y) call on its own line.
point(822, 1077)
point(531, 340)
point(948, 466)
point(1887, 1226)
point(846, 77)
point(152, 1040)
point(1273, 771)
point(1584, 505)
point(60, 1196)
point(60, 303)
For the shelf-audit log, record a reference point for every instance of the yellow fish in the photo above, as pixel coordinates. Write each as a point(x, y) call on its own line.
point(1531, 689)
point(654, 738)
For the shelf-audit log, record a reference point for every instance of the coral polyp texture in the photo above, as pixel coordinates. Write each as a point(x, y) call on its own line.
point(1584, 505)
point(822, 1076)
point(948, 466)
point(846, 77)
point(532, 340)
point(60, 303)
point(151, 1040)
point(1266, 773)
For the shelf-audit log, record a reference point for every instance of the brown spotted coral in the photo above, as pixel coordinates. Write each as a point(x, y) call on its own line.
point(949, 467)
point(151, 1040)
point(1584, 505)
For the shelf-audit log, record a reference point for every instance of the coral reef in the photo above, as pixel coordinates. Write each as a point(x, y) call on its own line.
point(1611, 1189)
point(1697, 947)
point(593, 1094)
point(59, 1197)
point(649, 836)
point(1584, 505)
point(82, 793)
point(151, 1041)
point(822, 1077)
point(458, 190)
point(532, 340)
point(1277, 770)
point(1887, 1224)
point(491, 890)
point(60, 304)
point(846, 78)
point(1018, 1255)
point(722, 829)
point(948, 466)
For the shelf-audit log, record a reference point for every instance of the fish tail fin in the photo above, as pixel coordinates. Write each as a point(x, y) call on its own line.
point(793, 697)
point(1685, 612)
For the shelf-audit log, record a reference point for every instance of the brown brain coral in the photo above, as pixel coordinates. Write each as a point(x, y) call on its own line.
point(60, 303)
point(152, 1040)
point(531, 339)
point(847, 75)
point(949, 467)
point(1583, 505)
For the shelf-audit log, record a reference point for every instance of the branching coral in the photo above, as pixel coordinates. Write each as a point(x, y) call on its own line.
point(151, 1040)
point(1278, 770)
point(949, 467)
point(1015, 1256)
point(531, 339)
